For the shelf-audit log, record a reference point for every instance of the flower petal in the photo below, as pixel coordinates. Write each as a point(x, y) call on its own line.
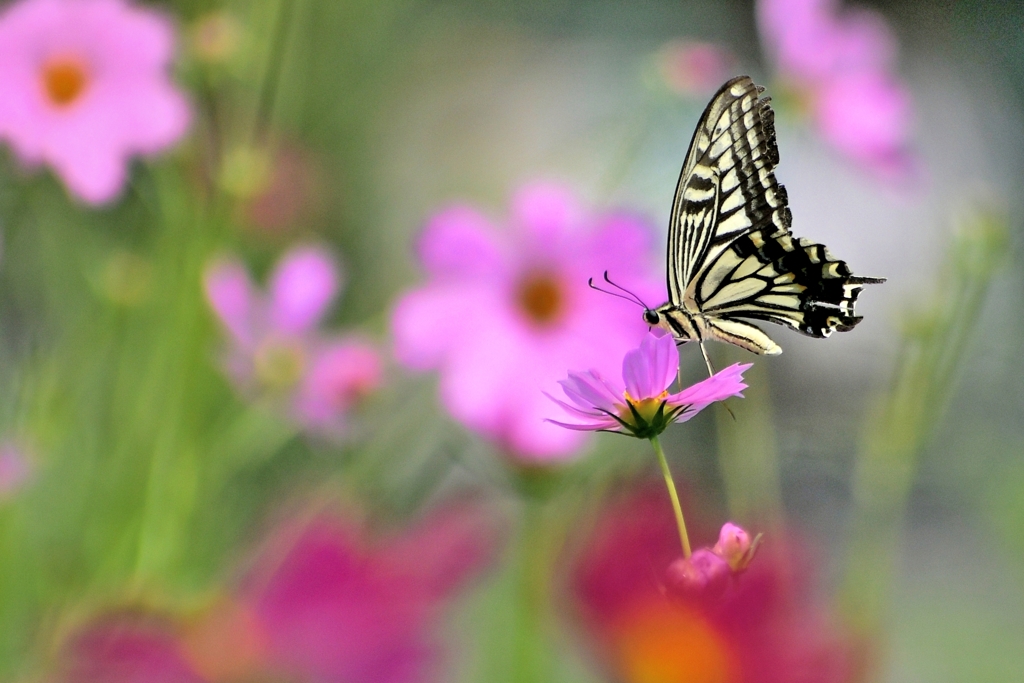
point(339, 375)
point(720, 386)
point(302, 286)
point(589, 390)
point(230, 294)
point(547, 211)
point(650, 369)
point(460, 242)
point(596, 425)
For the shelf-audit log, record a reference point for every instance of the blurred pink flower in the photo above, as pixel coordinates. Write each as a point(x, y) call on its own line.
point(840, 63)
point(504, 313)
point(765, 627)
point(125, 647)
point(324, 604)
point(640, 405)
point(337, 606)
point(703, 575)
point(275, 349)
point(86, 87)
point(694, 68)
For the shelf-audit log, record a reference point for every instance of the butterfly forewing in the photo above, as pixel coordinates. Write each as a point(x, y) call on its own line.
point(730, 251)
point(727, 187)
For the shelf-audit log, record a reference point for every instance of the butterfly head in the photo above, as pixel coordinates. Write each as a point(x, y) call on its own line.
point(652, 317)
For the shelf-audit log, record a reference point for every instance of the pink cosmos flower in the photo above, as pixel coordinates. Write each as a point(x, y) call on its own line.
point(275, 349)
point(504, 312)
point(337, 607)
point(840, 63)
point(766, 627)
point(86, 87)
point(640, 405)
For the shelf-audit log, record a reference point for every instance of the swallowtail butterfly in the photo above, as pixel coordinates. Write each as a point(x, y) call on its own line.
point(731, 254)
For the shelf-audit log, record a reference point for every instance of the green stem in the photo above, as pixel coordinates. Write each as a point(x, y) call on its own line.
point(273, 69)
point(532, 657)
point(683, 537)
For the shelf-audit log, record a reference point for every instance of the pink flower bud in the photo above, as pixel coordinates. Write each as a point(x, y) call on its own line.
point(735, 547)
point(703, 575)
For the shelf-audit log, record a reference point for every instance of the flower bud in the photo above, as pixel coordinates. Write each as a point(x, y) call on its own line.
point(703, 575)
point(735, 546)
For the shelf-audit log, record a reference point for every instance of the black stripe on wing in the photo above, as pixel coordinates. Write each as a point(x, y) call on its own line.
point(727, 187)
point(784, 280)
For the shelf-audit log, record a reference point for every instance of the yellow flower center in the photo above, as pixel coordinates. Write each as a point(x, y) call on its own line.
point(541, 298)
point(647, 408)
point(64, 80)
point(658, 642)
point(280, 363)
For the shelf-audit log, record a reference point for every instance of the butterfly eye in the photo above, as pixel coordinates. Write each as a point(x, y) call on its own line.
point(651, 317)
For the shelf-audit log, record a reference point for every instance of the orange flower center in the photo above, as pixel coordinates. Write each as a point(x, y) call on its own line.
point(658, 642)
point(64, 79)
point(541, 298)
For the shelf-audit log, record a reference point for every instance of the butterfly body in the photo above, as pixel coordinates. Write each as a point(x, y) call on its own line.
point(731, 255)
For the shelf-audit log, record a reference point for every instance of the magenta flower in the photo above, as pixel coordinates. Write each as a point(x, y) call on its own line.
point(764, 625)
point(641, 405)
point(275, 350)
point(840, 64)
point(505, 312)
point(125, 647)
point(324, 603)
point(336, 606)
point(86, 87)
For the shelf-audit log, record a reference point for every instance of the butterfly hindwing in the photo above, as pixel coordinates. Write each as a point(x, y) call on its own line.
point(781, 279)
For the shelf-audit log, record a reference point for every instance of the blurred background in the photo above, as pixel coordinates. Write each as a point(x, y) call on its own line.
point(229, 451)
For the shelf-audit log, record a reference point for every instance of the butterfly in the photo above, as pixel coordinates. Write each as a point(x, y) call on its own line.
point(731, 255)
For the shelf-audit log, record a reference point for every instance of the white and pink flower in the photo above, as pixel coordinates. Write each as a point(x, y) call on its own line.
point(275, 349)
point(640, 405)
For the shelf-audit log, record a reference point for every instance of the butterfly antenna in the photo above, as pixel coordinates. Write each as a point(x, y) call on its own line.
point(591, 284)
point(619, 287)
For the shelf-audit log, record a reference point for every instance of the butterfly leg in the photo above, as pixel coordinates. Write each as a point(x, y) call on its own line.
point(711, 372)
point(707, 359)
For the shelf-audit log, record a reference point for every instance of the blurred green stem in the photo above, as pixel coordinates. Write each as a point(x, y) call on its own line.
point(684, 539)
point(273, 69)
point(903, 419)
point(162, 421)
point(532, 659)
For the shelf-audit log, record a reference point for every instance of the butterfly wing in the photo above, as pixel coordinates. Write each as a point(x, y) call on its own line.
point(780, 279)
point(727, 187)
point(731, 253)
